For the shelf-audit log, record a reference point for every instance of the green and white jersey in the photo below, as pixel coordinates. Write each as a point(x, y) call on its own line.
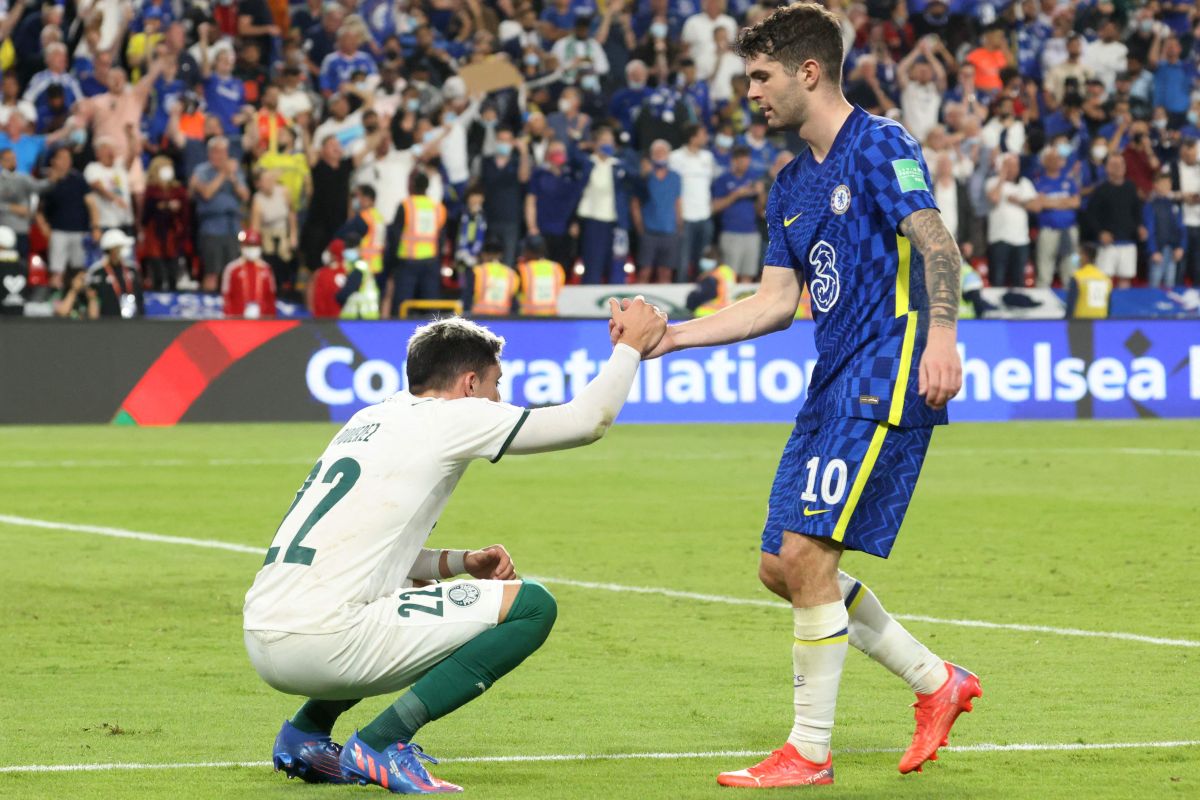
point(367, 507)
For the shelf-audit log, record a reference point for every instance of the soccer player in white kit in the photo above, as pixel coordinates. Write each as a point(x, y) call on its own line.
point(345, 605)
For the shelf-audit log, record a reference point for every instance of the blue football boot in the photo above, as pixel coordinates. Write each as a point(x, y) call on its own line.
point(312, 757)
point(397, 769)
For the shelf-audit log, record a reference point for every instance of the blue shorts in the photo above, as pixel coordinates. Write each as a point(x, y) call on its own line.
point(850, 480)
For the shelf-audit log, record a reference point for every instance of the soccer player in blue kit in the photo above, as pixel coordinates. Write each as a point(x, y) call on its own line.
point(853, 217)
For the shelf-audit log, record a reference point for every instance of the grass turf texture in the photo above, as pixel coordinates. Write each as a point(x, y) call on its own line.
point(128, 651)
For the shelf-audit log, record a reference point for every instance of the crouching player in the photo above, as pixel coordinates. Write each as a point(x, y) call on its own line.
point(334, 614)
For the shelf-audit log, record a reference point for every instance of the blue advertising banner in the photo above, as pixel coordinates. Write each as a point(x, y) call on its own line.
point(1012, 370)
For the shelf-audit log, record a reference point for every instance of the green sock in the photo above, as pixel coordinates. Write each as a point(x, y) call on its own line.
point(470, 670)
point(399, 722)
point(318, 716)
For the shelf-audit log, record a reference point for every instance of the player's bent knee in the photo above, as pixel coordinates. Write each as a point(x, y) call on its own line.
point(536, 605)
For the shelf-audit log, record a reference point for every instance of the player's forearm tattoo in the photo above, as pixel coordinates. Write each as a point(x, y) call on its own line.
point(929, 237)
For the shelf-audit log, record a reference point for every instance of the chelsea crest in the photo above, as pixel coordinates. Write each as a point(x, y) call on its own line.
point(839, 201)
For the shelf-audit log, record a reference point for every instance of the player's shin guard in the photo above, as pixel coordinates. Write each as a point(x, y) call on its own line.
point(874, 631)
point(817, 656)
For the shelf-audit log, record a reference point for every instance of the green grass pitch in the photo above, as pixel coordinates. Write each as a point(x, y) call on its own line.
point(123, 651)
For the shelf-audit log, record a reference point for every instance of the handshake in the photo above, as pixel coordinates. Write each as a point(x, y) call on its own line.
point(638, 324)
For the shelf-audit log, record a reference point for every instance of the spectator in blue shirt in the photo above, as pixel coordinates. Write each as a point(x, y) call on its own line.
point(1057, 205)
point(320, 39)
point(554, 190)
point(28, 148)
point(1166, 236)
point(55, 74)
point(225, 95)
point(558, 19)
point(626, 102)
point(737, 196)
point(762, 152)
point(658, 216)
point(1172, 81)
point(340, 65)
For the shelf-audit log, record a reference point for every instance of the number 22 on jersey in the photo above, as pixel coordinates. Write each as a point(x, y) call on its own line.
point(342, 474)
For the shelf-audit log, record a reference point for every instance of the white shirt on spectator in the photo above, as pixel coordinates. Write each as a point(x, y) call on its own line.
point(719, 86)
point(349, 131)
point(599, 200)
point(920, 104)
point(1189, 183)
point(1012, 135)
point(698, 36)
point(114, 179)
point(1105, 59)
point(697, 171)
point(295, 102)
point(388, 176)
point(1008, 221)
point(568, 48)
point(946, 195)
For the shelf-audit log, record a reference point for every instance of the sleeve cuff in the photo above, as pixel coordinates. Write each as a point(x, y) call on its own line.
point(516, 429)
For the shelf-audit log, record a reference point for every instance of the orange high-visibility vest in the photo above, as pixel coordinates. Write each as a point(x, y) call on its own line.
point(370, 249)
point(726, 283)
point(541, 284)
point(423, 221)
point(495, 288)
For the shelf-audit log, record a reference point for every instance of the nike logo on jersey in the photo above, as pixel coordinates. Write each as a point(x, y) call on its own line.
point(790, 220)
point(808, 512)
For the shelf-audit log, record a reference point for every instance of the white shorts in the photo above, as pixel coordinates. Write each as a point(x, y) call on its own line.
point(395, 641)
point(66, 250)
point(1118, 260)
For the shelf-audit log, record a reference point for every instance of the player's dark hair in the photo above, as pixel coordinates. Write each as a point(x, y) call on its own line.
point(794, 34)
point(445, 349)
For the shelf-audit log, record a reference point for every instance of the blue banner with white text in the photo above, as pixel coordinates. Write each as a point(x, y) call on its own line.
point(1012, 370)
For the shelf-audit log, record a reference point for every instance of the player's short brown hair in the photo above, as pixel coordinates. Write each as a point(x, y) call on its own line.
point(792, 35)
point(445, 349)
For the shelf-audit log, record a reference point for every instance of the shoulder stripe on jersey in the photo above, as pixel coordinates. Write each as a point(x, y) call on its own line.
point(516, 429)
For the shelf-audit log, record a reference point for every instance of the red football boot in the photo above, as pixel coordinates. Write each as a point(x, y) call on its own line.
point(936, 714)
point(784, 767)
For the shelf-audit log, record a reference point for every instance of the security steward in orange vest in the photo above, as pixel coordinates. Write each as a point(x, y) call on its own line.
point(542, 280)
point(366, 225)
point(420, 221)
point(490, 287)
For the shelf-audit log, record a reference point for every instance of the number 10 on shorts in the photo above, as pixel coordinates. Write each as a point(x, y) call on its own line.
point(833, 480)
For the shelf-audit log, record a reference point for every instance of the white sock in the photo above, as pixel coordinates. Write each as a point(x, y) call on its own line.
point(877, 634)
point(817, 656)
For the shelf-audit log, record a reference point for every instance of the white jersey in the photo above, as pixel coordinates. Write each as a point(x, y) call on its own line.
point(365, 510)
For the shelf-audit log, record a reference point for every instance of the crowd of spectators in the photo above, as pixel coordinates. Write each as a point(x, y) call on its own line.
point(629, 149)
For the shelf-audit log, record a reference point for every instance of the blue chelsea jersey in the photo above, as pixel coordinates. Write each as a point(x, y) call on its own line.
point(837, 223)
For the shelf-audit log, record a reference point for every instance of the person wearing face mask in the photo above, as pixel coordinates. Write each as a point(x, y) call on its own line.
point(166, 228)
point(697, 167)
point(553, 193)
point(569, 123)
point(247, 283)
point(607, 183)
point(504, 175)
point(1057, 203)
point(715, 288)
point(626, 101)
point(359, 293)
point(658, 216)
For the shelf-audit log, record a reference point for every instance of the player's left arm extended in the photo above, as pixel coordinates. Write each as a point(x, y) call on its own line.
point(940, 375)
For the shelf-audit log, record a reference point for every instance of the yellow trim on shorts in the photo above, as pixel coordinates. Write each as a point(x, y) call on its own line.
point(903, 280)
point(845, 637)
point(860, 481)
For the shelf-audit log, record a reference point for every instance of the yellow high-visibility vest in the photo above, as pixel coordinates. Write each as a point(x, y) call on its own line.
point(423, 221)
point(1093, 289)
point(542, 281)
point(495, 288)
point(370, 249)
point(363, 304)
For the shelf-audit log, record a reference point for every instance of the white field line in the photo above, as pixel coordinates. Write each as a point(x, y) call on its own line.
point(964, 623)
point(255, 462)
point(86, 463)
point(120, 533)
point(551, 757)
